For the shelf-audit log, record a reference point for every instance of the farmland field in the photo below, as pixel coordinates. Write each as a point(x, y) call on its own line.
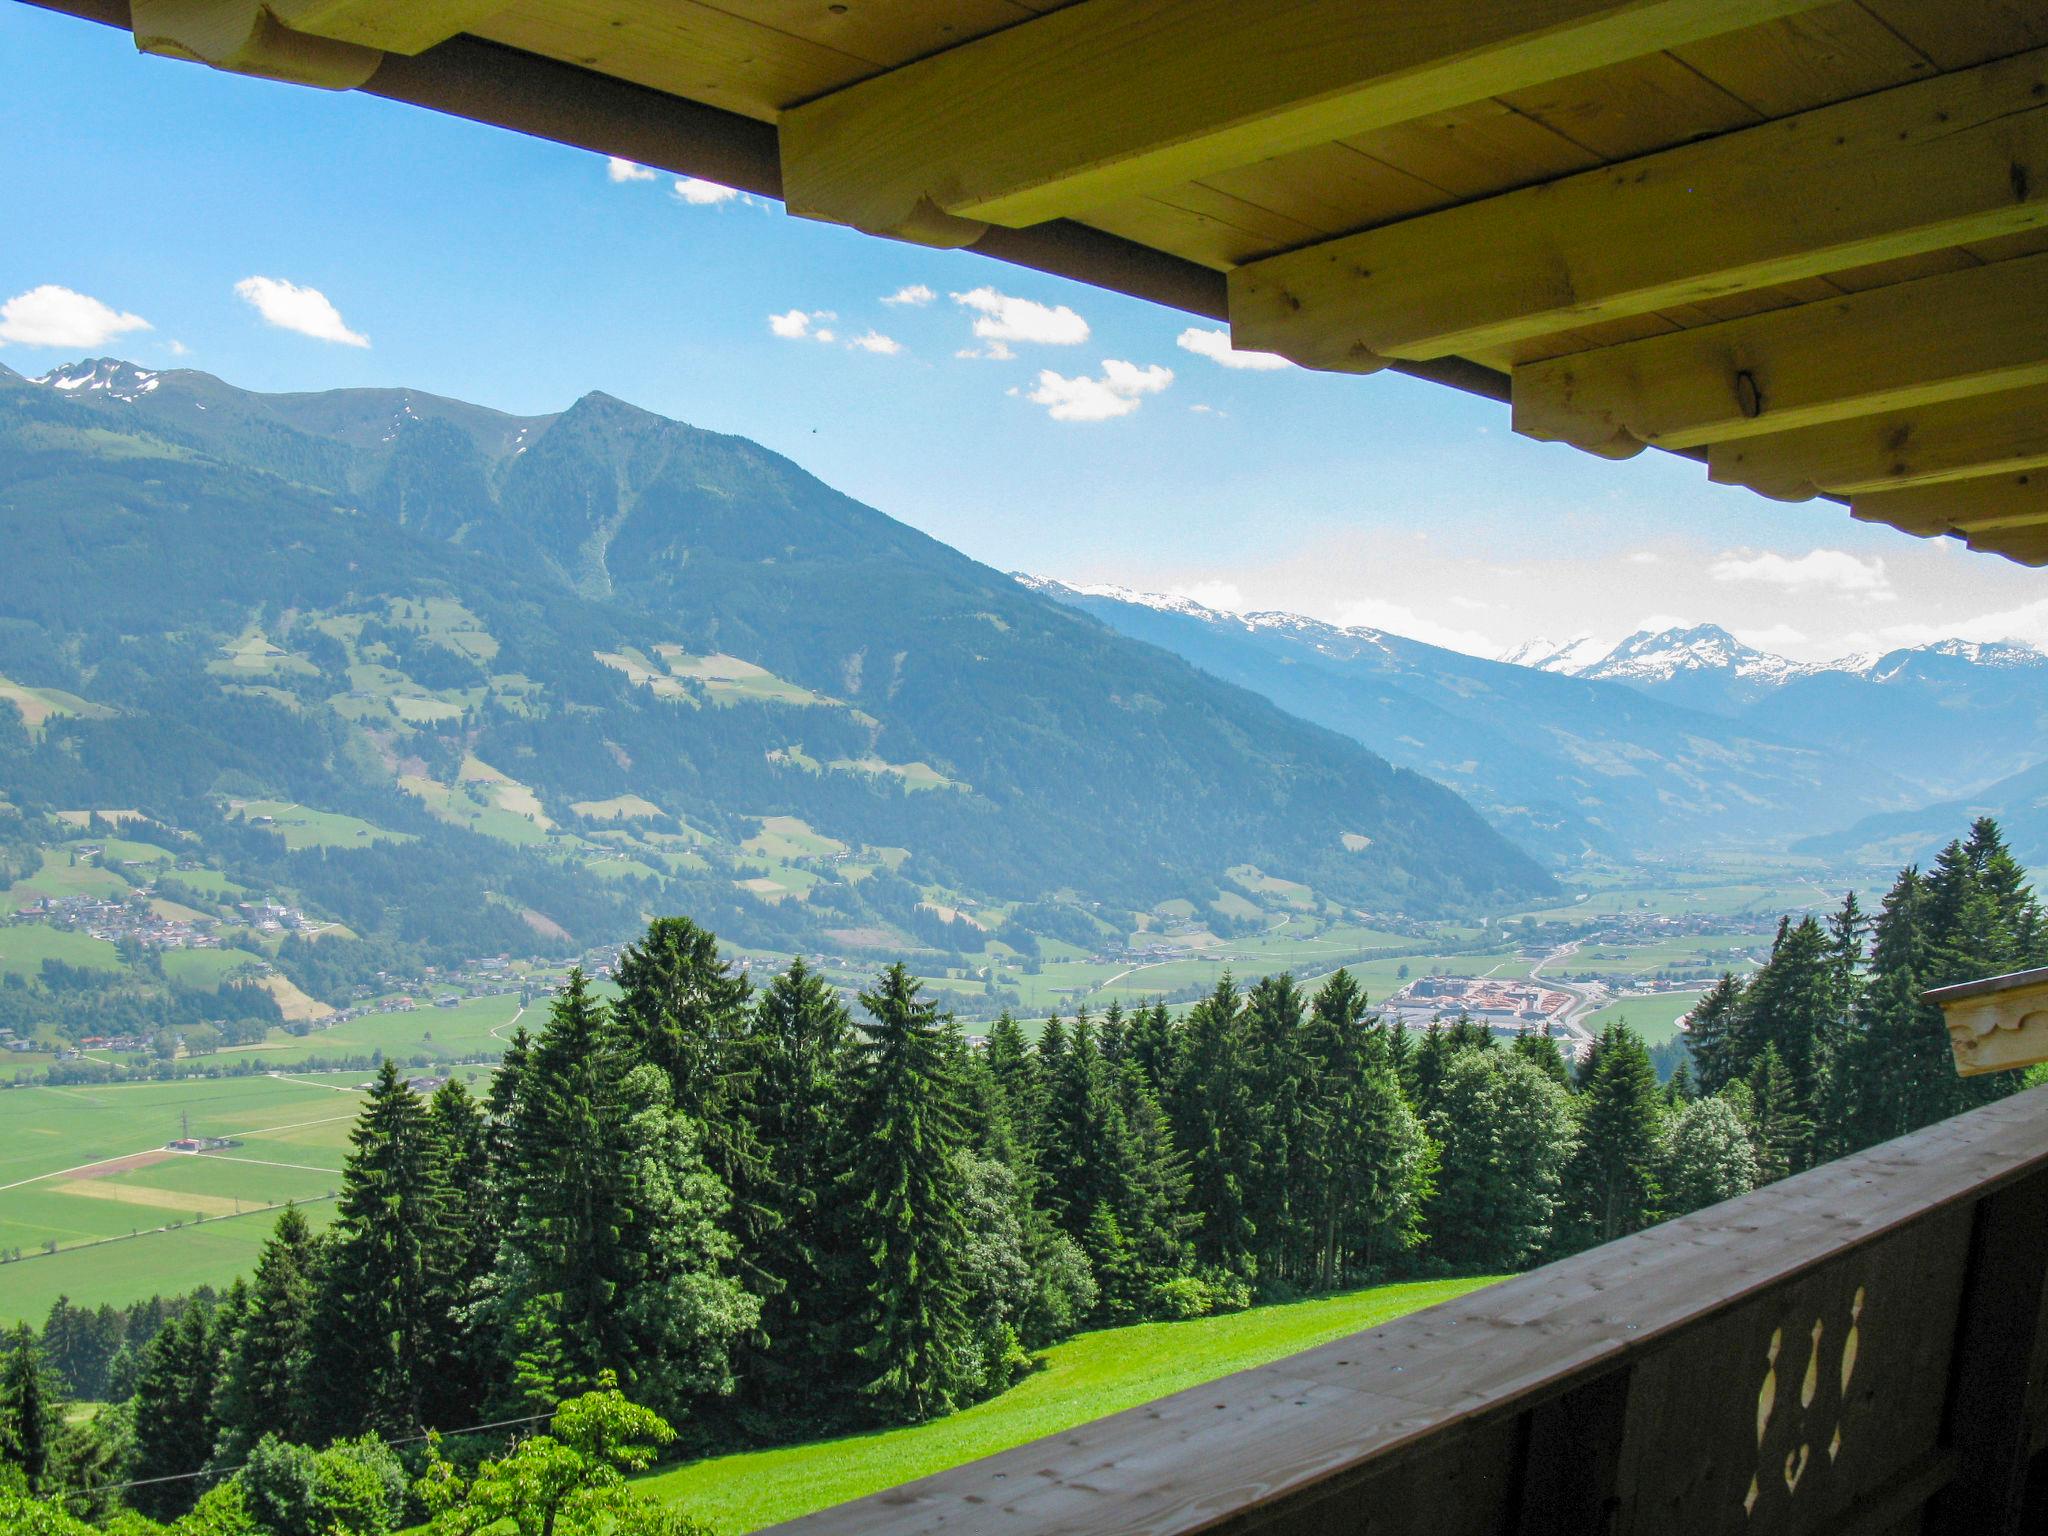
point(1654, 1018)
point(84, 1164)
point(1085, 1378)
point(439, 1034)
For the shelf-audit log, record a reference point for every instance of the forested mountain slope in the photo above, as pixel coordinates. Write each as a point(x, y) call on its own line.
point(573, 669)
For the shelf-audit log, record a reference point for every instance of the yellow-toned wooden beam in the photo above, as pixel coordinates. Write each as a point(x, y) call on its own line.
point(1995, 503)
point(1963, 333)
point(396, 26)
point(1997, 1024)
point(335, 44)
point(1921, 167)
point(1924, 446)
point(1111, 98)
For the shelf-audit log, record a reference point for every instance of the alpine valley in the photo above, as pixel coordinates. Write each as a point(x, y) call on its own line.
point(466, 684)
point(1670, 742)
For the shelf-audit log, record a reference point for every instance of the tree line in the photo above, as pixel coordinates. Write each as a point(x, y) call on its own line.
point(760, 1216)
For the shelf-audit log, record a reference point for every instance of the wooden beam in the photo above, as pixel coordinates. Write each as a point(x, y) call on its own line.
point(1927, 445)
point(1996, 1024)
point(1110, 98)
point(333, 44)
point(396, 26)
point(1920, 167)
point(244, 38)
point(1990, 505)
point(1972, 332)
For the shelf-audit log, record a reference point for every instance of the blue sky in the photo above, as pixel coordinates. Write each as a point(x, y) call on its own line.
point(480, 264)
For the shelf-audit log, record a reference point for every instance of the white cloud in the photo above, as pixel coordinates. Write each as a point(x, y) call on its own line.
point(1657, 623)
point(995, 351)
point(913, 293)
point(1002, 317)
point(1207, 410)
point(2028, 624)
point(1820, 570)
point(1215, 346)
point(178, 348)
point(801, 324)
point(1645, 557)
point(1119, 391)
point(305, 310)
point(1226, 596)
point(626, 170)
point(1377, 613)
point(51, 316)
point(1777, 637)
point(875, 341)
point(703, 194)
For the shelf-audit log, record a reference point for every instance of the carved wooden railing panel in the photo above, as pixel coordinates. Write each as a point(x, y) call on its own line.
point(1861, 1348)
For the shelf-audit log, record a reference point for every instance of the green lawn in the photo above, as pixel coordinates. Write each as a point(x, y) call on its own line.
point(1654, 1018)
point(476, 1027)
point(1085, 1378)
point(25, 946)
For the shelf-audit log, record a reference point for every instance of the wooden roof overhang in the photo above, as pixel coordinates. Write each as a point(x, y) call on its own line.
point(1800, 240)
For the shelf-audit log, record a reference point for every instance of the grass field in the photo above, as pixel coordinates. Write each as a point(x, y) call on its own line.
point(60, 877)
point(302, 827)
point(78, 1165)
point(1654, 1018)
point(25, 946)
point(1085, 1378)
point(477, 1027)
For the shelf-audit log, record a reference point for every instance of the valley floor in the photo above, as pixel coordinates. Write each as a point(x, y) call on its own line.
point(1086, 1378)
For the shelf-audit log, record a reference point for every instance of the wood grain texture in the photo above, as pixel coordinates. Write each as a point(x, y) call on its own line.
point(1917, 168)
point(1993, 504)
point(1118, 98)
point(1422, 1426)
point(1923, 445)
point(1973, 332)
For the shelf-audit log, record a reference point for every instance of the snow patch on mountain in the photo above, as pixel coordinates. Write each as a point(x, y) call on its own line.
point(1546, 655)
point(119, 380)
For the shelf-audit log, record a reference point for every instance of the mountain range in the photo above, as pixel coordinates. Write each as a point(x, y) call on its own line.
point(1951, 717)
point(1670, 742)
point(563, 670)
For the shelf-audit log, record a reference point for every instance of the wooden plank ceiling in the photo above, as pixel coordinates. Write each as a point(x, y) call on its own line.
point(1805, 241)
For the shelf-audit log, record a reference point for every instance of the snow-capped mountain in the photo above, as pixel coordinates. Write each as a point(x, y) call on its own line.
point(1547, 655)
point(102, 375)
point(1953, 715)
point(1562, 764)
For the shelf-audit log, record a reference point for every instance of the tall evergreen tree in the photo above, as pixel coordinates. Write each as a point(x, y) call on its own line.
point(263, 1381)
point(1611, 1181)
point(906, 1179)
point(1217, 1126)
point(29, 1407)
point(1713, 1036)
point(1778, 1126)
point(386, 1304)
point(806, 1039)
point(615, 1261)
point(174, 1428)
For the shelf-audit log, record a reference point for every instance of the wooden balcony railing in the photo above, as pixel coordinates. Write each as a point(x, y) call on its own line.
point(1861, 1348)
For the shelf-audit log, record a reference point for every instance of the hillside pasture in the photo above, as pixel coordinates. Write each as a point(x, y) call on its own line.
point(303, 827)
point(1084, 1378)
point(25, 946)
point(60, 877)
point(1654, 1018)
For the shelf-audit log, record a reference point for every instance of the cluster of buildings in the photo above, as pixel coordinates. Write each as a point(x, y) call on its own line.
point(1490, 1000)
point(116, 921)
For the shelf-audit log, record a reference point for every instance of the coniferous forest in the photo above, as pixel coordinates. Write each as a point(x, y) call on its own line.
point(700, 1214)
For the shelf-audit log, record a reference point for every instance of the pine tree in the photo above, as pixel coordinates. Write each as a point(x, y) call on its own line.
point(1153, 1043)
point(1283, 1094)
point(386, 1304)
point(1019, 1094)
point(1432, 1066)
point(905, 1177)
point(174, 1428)
point(264, 1365)
point(1611, 1181)
point(1538, 1047)
point(1789, 1008)
point(463, 1361)
point(29, 1407)
point(616, 1258)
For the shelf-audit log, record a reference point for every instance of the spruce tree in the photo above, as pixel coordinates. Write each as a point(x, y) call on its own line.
point(905, 1179)
point(386, 1308)
point(1778, 1126)
point(174, 1428)
point(264, 1366)
point(1714, 1039)
point(806, 1039)
point(1283, 1094)
point(1789, 1007)
point(616, 1260)
point(1216, 1123)
point(1611, 1182)
point(29, 1408)
point(1536, 1045)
